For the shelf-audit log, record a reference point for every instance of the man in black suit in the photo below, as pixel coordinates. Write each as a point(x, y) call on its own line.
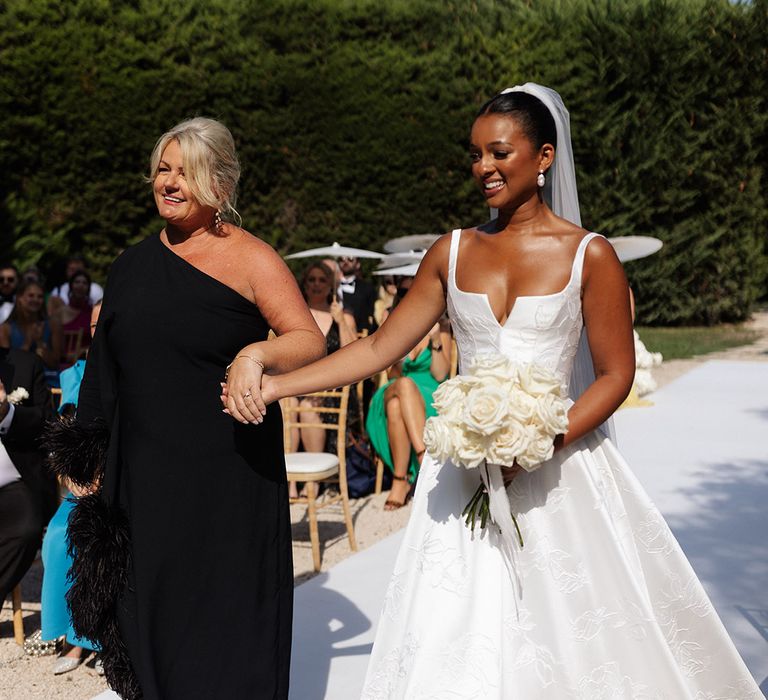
point(358, 295)
point(28, 495)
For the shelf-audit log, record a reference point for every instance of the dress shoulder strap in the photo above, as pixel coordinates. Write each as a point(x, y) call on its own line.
point(578, 260)
point(453, 255)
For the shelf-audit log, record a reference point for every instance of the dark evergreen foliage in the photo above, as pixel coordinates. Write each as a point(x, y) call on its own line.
point(351, 118)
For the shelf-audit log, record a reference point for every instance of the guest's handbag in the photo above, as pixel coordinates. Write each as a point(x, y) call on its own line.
point(361, 469)
point(35, 645)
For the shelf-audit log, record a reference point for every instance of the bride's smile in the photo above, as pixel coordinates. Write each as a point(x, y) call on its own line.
point(504, 161)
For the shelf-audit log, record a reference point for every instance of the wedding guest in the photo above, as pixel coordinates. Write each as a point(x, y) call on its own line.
point(60, 295)
point(399, 409)
point(29, 328)
point(339, 330)
point(75, 315)
point(9, 280)
point(55, 619)
point(358, 294)
point(333, 265)
point(28, 495)
point(183, 310)
point(386, 297)
point(33, 274)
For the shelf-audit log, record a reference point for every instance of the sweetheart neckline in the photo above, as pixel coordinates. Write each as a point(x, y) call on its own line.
point(452, 279)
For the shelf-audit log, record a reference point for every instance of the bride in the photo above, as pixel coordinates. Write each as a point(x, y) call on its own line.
point(601, 601)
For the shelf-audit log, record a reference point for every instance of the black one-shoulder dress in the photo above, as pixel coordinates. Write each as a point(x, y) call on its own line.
point(206, 611)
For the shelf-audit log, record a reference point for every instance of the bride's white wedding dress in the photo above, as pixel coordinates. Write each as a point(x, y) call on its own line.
point(609, 607)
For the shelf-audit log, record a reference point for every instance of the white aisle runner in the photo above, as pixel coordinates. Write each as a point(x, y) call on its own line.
point(701, 452)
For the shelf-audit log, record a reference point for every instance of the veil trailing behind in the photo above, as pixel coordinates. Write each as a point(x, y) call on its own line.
point(600, 602)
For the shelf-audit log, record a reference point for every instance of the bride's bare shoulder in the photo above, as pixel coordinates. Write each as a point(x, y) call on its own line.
point(566, 230)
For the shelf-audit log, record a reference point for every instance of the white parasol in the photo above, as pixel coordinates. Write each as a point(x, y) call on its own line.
point(405, 244)
point(635, 247)
point(335, 251)
point(403, 270)
point(398, 259)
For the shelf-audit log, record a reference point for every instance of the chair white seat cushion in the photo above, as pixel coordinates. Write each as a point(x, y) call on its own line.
point(310, 462)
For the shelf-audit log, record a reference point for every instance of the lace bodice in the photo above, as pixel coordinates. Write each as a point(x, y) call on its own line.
point(544, 329)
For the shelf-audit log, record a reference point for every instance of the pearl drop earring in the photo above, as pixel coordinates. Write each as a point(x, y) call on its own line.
point(541, 180)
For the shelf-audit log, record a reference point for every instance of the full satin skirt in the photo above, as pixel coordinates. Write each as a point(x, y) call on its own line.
point(608, 607)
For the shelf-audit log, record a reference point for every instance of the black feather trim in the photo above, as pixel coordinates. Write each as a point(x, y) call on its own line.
point(100, 546)
point(75, 451)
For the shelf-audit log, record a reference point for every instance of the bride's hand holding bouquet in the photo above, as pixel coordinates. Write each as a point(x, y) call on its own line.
point(498, 413)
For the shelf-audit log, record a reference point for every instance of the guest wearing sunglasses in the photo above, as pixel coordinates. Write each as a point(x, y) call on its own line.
point(9, 279)
point(358, 294)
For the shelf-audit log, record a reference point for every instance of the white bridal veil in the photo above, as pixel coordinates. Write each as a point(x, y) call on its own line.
point(561, 195)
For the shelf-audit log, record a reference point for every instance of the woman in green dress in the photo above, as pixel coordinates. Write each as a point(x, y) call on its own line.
point(399, 408)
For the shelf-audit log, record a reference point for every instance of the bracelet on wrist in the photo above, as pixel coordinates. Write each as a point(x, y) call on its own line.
point(247, 357)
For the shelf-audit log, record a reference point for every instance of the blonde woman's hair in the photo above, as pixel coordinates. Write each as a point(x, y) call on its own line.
point(211, 167)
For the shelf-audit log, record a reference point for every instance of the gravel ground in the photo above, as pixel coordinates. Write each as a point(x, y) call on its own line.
point(24, 677)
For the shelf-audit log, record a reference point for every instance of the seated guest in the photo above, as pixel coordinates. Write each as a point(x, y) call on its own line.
point(9, 280)
point(387, 293)
point(60, 295)
point(400, 408)
point(28, 328)
point(339, 329)
point(75, 315)
point(27, 492)
point(56, 620)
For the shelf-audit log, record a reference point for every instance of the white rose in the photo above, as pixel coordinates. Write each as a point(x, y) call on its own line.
point(485, 409)
point(18, 395)
point(537, 380)
point(448, 398)
point(508, 443)
point(522, 406)
point(471, 450)
point(495, 367)
point(540, 449)
point(551, 414)
point(439, 439)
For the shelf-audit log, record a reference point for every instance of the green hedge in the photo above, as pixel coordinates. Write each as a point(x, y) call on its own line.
point(352, 119)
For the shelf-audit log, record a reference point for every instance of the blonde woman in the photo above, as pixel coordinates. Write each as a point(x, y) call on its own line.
point(201, 584)
point(29, 328)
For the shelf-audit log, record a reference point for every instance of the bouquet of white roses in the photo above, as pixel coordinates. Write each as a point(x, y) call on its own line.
point(498, 413)
point(18, 395)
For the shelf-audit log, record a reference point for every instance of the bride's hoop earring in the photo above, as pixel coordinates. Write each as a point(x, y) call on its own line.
point(541, 180)
point(217, 221)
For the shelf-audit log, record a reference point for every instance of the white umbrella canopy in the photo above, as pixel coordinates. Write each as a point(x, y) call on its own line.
point(335, 251)
point(403, 270)
point(397, 259)
point(635, 247)
point(405, 244)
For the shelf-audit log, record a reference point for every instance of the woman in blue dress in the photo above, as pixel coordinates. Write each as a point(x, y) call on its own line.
point(55, 616)
point(28, 328)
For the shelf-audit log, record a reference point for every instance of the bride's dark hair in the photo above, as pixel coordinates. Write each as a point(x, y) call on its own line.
point(530, 112)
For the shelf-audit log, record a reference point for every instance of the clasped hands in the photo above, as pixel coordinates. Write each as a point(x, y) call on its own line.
point(242, 391)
